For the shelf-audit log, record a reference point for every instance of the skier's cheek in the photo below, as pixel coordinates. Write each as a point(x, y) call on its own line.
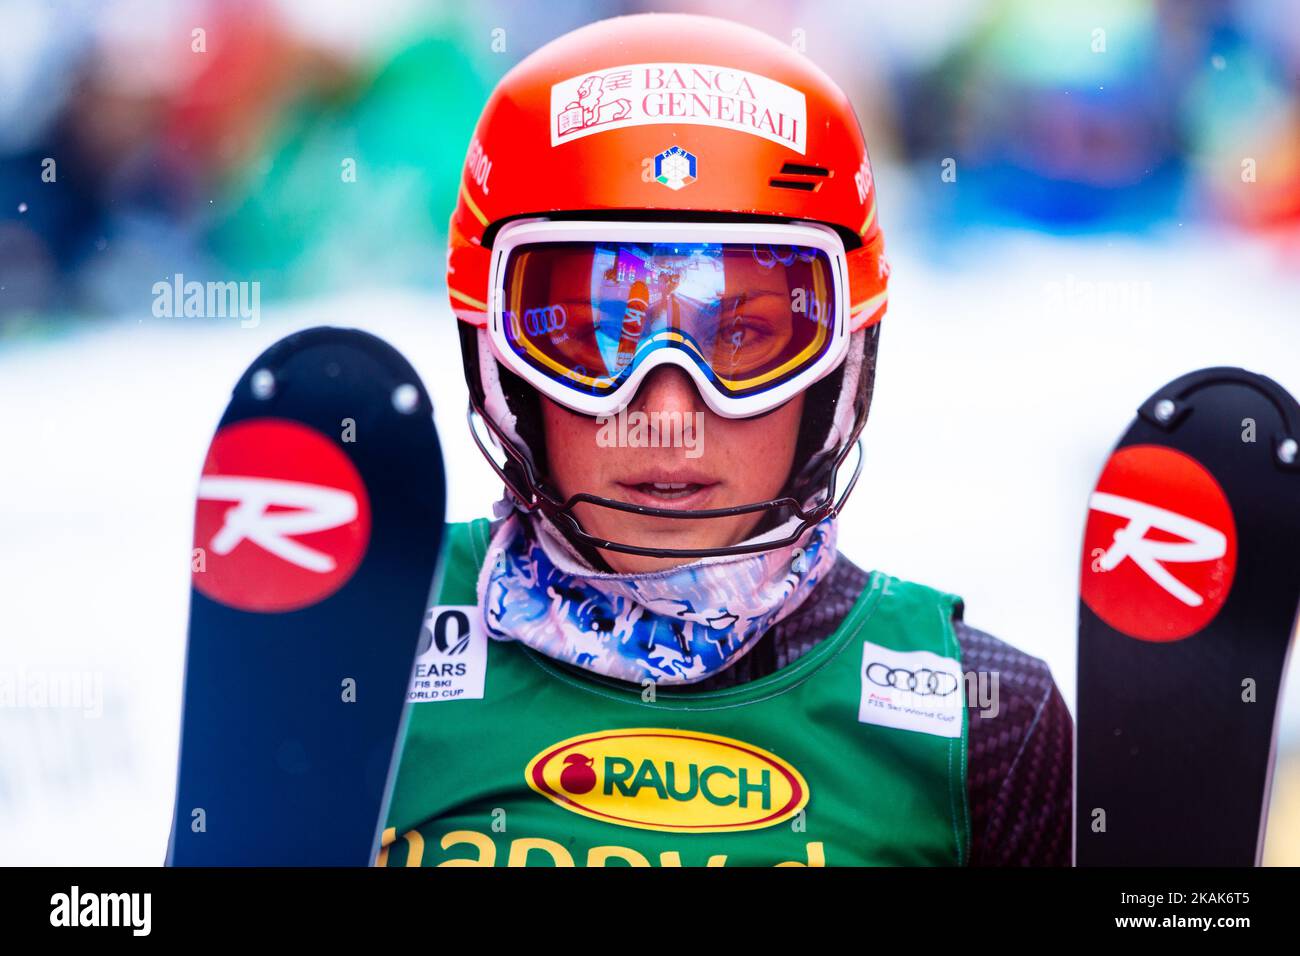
point(694, 460)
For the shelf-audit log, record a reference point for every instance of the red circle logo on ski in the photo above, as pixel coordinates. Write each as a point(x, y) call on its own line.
point(1160, 549)
point(282, 518)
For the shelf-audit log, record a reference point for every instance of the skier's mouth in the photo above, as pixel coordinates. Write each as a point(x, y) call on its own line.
point(668, 494)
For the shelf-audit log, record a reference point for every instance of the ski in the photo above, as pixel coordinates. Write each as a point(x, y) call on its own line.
point(1188, 603)
point(316, 539)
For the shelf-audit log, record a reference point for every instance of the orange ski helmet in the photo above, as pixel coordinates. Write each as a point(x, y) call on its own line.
point(581, 129)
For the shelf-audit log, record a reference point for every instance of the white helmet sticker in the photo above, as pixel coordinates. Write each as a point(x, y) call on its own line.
point(645, 94)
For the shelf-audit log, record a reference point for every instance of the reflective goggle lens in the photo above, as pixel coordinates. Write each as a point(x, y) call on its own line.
point(751, 316)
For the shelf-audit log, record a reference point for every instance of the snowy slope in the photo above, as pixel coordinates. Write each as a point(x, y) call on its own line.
point(1004, 382)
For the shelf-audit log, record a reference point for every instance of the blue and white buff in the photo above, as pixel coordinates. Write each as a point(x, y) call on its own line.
point(675, 626)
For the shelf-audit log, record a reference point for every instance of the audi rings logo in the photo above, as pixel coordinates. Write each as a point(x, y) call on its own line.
point(919, 691)
point(924, 682)
point(546, 320)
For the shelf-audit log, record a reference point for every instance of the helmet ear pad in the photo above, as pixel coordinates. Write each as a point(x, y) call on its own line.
point(522, 401)
point(821, 409)
point(524, 404)
point(818, 446)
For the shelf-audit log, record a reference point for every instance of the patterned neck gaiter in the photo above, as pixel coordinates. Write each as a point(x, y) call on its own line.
point(675, 626)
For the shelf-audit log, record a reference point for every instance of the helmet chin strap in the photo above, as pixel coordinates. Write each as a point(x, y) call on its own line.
point(580, 562)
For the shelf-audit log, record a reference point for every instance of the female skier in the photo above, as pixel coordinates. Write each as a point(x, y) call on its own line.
point(668, 276)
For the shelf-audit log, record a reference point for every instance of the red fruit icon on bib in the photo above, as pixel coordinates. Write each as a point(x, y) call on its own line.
point(577, 775)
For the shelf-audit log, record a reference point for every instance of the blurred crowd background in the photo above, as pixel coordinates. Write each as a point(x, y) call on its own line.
point(218, 155)
point(1081, 199)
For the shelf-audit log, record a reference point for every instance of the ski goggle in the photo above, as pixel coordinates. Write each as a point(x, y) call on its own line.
point(753, 312)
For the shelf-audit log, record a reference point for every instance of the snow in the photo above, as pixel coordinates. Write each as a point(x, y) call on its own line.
point(1004, 382)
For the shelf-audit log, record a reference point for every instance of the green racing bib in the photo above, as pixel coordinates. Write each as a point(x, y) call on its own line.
point(854, 754)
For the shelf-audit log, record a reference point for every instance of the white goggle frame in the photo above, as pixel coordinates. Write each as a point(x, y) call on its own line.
point(531, 231)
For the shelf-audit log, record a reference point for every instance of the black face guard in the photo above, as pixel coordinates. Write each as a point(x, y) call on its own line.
point(538, 497)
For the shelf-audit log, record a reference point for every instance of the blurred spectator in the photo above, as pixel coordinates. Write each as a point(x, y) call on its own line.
point(315, 148)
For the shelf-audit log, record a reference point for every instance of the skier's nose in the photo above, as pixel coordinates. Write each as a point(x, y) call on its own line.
point(668, 389)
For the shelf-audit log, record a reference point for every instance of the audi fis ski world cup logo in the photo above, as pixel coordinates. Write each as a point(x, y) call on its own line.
point(668, 780)
point(1160, 549)
point(282, 519)
point(916, 691)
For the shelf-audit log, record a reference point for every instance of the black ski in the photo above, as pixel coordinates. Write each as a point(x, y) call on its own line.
point(317, 532)
point(1189, 594)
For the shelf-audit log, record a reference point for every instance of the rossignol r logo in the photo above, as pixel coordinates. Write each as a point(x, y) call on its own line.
point(1201, 543)
point(311, 508)
point(668, 780)
point(1160, 549)
point(282, 519)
